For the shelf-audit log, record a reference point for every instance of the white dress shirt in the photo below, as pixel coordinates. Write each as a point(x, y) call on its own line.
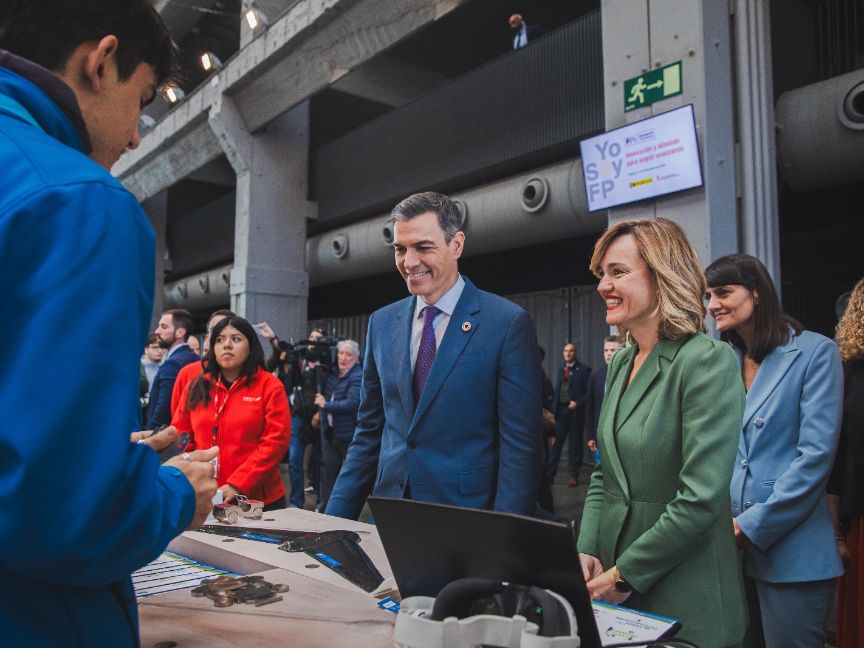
point(446, 305)
point(521, 38)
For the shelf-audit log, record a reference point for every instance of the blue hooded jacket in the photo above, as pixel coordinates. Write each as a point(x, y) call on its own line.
point(80, 506)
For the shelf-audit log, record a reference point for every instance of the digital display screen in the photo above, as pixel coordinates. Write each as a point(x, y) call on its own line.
point(649, 158)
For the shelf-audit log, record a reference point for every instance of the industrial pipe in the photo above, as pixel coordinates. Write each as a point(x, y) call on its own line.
point(820, 133)
point(544, 205)
point(204, 290)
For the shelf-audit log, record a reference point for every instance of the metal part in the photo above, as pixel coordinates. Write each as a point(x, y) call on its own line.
point(208, 289)
point(544, 205)
point(820, 133)
point(225, 591)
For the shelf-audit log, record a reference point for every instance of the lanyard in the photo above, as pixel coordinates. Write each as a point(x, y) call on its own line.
point(217, 408)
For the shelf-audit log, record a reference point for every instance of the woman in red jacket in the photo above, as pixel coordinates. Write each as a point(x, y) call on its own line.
point(236, 405)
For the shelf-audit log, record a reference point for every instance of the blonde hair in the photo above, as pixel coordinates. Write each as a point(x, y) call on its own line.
point(850, 328)
point(674, 268)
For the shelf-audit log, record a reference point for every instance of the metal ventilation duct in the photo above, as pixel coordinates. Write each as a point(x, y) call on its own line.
point(544, 205)
point(820, 133)
point(205, 290)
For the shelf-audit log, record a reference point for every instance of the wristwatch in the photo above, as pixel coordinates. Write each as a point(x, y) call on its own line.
point(621, 585)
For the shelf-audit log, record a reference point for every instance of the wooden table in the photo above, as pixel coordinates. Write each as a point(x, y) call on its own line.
point(321, 609)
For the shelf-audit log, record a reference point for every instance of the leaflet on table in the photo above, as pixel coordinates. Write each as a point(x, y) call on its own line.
point(618, 624)
point(171, 572)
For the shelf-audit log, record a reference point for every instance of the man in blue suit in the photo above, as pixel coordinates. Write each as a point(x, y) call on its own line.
point(173, 331)
point(450, 403)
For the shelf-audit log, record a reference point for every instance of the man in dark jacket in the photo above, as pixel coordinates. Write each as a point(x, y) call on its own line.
point(80, 506)
point(523, 33)
point(337, 409)
point(173, 331)
point(597, 391)
point(571, 390)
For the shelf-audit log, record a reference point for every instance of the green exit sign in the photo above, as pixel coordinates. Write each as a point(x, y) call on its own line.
point(652, 86)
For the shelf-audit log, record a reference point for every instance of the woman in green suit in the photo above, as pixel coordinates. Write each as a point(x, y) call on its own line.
point(655, 530)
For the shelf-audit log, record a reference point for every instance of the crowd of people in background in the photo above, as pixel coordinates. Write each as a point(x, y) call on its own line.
point(724, 447)
point(710, 501)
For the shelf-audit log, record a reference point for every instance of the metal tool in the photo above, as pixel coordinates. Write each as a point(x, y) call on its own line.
point(225, 591)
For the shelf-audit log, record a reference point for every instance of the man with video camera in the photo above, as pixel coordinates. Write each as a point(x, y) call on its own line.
point(303, 368)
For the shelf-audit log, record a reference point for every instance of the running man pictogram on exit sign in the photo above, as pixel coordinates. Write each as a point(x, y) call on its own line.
point(652, 86)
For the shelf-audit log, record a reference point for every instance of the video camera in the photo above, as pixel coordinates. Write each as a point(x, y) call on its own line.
point(321, 350)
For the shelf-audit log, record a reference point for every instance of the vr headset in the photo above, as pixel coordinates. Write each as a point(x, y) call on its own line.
point(486, 612)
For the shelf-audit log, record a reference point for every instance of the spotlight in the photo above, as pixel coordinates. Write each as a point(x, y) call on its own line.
point(210, 62)
point(173, 94)
point(255, 18)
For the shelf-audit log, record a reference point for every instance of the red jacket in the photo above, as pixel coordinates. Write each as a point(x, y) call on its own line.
point(252, 430)
point(178, 397)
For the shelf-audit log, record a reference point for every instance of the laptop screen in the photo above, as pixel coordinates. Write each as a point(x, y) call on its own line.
point(430, 545)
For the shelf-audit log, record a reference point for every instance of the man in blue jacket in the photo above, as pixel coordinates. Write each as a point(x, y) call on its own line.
point(450, 407)
point(337, 413)
point(173, 331)
point(80, 506)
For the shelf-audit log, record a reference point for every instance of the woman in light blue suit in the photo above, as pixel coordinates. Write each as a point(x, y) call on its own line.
point(780, 511)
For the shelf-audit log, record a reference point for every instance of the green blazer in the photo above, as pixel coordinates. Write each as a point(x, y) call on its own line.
point(658, 503)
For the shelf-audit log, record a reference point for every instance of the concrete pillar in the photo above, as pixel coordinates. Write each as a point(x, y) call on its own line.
point(269, 281)
point(156, 209)
point(760, 228)
point(643, 35)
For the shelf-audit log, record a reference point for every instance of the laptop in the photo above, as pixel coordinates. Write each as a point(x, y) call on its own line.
point(430, 545)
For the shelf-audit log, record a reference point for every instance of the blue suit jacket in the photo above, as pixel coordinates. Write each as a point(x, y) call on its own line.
point(785, 454)
point(474, 439)
point(159, 410)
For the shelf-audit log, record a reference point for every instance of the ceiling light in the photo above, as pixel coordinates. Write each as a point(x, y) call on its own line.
point(210, 62)
point(255, 18)
point(173, 94)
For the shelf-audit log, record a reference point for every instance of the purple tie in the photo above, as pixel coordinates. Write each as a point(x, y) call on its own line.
point(426, 352)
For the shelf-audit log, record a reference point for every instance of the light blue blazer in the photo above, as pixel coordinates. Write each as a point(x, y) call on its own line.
point(785, 454)
point(474, 439)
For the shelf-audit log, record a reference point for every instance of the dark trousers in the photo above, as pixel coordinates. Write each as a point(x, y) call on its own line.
point(547, 503)
point(334, 454)
point(568, 424)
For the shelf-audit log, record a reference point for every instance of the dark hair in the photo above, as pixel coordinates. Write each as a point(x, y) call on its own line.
point(199, 390)
point(48, 31)
point(449, 217)
point(222, 312)
point(611, 338)
point(770, 324)
point(152, 339)
point(181, 318)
